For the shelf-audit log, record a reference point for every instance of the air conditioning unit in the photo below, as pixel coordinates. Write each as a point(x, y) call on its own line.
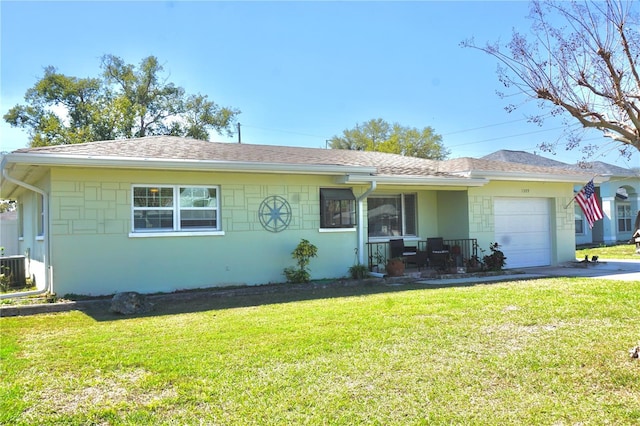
point(14, 268)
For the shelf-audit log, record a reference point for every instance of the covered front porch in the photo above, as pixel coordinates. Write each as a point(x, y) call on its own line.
point(434, 253)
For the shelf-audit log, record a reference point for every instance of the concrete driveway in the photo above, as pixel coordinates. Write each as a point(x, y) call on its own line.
point(623, 270)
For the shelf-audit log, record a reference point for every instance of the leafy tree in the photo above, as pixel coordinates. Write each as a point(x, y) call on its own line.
point(7, 205)
point(378, 135)
point(580, 58)
point(126, 101)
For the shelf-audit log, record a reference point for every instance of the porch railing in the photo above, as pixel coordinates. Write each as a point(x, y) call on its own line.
point(379, 252)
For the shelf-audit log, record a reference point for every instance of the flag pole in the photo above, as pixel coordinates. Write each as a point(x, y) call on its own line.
point(576, 194)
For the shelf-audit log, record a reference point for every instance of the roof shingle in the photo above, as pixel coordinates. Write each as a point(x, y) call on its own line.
point(177, 148)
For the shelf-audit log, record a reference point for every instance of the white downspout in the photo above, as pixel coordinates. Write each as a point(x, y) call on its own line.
point(361, 199)
point(47, 249)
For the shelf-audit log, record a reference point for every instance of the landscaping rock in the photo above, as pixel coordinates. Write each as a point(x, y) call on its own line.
point(129, 303)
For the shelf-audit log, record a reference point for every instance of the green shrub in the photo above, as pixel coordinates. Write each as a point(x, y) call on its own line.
point(5, 282)
point(358, 271)
point(496, 260)
point(303, 253)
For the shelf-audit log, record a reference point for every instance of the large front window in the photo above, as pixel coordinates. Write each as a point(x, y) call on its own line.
point(624, 217)
point(175, 208)
point(392, 215)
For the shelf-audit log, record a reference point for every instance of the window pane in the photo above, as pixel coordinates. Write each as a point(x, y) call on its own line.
point(153, 219)
point(20, 220)
point(40, 219)
point(578, 223)
point(410, 214)
point(152, 197)
point(337, 208)
point(624, 217)
point(338, 214)
point(197, 219)
point(175, 208)
point(198, 207)
point(198, 197)
point(385, 216)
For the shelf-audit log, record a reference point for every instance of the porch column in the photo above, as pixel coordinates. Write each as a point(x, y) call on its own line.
point(609, 220)
point(360, 224)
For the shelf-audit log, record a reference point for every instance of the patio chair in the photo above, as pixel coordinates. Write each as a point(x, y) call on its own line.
point(420, 259)
point(398, 249)
point(437, 253)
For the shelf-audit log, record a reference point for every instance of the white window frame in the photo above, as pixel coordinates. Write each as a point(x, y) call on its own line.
point(176, 211)
point(626, 207)
point(578, 213)
point(403, 207)
point(39, 217)
point(20, 209)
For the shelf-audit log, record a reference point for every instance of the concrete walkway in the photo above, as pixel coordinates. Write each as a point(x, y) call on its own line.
point(623, 270)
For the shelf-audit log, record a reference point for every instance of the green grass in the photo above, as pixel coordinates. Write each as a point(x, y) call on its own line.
point(620, 251)
point(548, 351)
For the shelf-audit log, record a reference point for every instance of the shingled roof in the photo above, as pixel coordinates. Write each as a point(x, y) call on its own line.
point(593, 167)
point(159, 151)
point(502, 170)
point(523, 157)
point(185, 149)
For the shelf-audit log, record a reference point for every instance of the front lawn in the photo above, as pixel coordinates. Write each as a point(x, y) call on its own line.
point(620, 251)
point(547, 351)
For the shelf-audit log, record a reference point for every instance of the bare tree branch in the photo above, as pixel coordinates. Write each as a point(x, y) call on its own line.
point(581, 58)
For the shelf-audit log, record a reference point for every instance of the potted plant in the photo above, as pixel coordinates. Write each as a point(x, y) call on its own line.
point(395, 267)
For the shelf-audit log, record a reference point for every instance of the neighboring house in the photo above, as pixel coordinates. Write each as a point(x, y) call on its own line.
point(159, 214)
point(618, 191)
point(9, 233)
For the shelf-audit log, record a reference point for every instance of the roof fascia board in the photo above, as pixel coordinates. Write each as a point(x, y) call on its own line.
point(413, 180)
point(540, 177)
point(154, 163)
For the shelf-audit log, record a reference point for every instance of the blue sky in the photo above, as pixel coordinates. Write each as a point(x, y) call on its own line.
point(300, 72)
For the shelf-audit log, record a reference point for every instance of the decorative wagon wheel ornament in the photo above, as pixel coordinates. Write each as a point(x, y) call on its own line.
point(274, 213)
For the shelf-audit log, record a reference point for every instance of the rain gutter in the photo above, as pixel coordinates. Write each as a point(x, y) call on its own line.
point(47, 250)
point(415, 180)
point(538, 177)
point(178, 164)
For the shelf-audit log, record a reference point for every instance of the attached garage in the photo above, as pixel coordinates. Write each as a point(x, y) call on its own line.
point(523, 230)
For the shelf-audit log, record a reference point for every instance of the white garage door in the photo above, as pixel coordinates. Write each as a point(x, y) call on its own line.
point(523, 230)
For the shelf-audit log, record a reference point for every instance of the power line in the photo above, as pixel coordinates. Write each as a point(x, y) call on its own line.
point(485, 127)
point(283, 131)
point(505, 137)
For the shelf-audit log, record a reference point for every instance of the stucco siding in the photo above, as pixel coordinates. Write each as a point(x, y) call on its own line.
point(453, 214)
point(94, 253)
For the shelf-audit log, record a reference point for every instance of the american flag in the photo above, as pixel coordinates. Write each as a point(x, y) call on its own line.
point(588, 202)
